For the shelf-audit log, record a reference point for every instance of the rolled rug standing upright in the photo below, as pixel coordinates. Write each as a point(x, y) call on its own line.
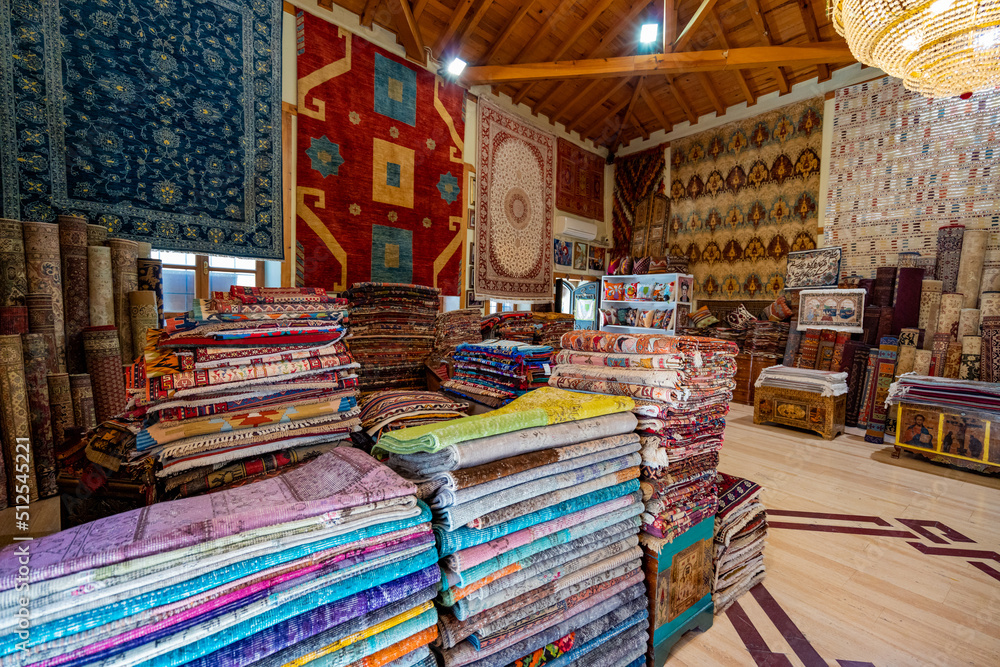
point(989, 305)
point(930, 306)
point(13, 279)
point(907, 351)
point(104, 365)
point(96, 235)
point(922, 362)
point(61, 401)
point(41, 253)
point(972, 349)
point(15, 422)
point(970, 269)
point(906, 302)
point(76, 294)
point(124, 279)
point(951, 311)
point(885, 283)
point(949, 253)
point(989, 364)
point(151, 280)
point(84, 414)
point(142, 311)
point(144, 249)
point(953, 360)
point(939, 353)
point(101, 288)
point(968, 323)
point(41, 321)
point(35, 348)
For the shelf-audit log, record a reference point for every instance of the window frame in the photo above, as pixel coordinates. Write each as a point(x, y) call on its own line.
point(202, 273)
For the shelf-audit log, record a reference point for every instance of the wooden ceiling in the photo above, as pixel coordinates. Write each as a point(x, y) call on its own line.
point(621, 99)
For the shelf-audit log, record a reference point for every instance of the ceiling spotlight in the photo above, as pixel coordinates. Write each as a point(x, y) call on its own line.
point(647, 34)
point(456, 66)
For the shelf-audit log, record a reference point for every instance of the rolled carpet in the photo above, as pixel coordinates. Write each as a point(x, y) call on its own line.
point(44, 270)
point(13, 279)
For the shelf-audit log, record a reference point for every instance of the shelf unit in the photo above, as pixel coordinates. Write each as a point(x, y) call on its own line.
point(674, 283)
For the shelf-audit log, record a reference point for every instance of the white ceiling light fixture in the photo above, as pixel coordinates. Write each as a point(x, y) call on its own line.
point(939, 48)
point(456, 66)
point(648, 32)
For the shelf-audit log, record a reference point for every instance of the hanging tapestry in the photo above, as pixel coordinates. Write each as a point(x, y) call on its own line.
point(514, 224)
point(160, 121)
point(636, 177)
point(381, 159)
point(743, 196)
point(580, 181)
point(904, 166)
point(649, 226)
point(813, 268)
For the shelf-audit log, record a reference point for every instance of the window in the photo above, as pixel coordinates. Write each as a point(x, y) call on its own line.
point(187, 276)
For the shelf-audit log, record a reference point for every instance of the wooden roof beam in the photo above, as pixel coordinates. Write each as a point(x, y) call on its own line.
point(543, 32)
point(666, 63)
point(603, 119)
point(681, 100)
point(741, 78)
point(418, 9)
point(699, 16)
point(454, 21)
point(654, 107)
point(602, 49)
point(368, 14)
point(757, 16)
point(812, 31)
point(575, 122)
point(583, 26)
point(473, 23)
point(713, 96)
point(507, 31)
point(628, 111)
point(407, 32)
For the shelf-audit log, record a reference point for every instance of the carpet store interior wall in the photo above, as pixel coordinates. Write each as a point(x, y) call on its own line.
point(662, 332)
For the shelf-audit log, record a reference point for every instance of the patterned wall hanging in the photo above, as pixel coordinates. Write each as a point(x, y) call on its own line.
point(579, 181)
point(743, 196)
point(813, 268)
point(516, 166)
point(637, 176)
point(649, 226)
point(903, 166)
point(159, 120)
point(380, 165)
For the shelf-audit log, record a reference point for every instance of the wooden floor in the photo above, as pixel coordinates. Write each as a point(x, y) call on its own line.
point(924, 592)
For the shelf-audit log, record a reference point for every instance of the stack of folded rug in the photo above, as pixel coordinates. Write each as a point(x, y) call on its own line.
point(490, 324)
point(825, 383)
point(393, 409)
point(453, 328)
point(392, 333)
point(520, 329)
point(495, 372)
point(551, 327)
point(536, 513)
point(740, 534)
point(682, 386)
point(254, 382)
point(332, 564)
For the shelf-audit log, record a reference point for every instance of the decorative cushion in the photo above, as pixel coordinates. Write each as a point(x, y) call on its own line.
point(640, 266)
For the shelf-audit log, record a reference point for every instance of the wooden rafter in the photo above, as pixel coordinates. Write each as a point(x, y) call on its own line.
point(699, 16)
point(368, 14)
point(654, 107)
point(454, 21)
point(682, 101)
point(550, 21)
point(603, 119)
point(669, 25)
point(667, 63)
point(757, 16)
point(741, 78)
point(711, 94)
point(418, 8)
point(507, 31)
point(595, 104)
point(602, 49)
point(628, 112)
point(473, 23)
point(812, 32)
point(581, 28)
point(407, 32)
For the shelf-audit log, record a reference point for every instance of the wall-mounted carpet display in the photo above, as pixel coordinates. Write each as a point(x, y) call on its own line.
point(73, 250)
point(13, 279)
point(381, 159)
point(157, 120)
point(649, 228)
point(913, 150)
point(637, 177)
point(44, 268)
point(35, 350)
point(15, 423)
point(579, 181)
point(744, 195)
point(813, 268)
point(516, 167)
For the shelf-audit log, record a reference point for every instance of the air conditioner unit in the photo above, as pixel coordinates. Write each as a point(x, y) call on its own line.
point(575, 228)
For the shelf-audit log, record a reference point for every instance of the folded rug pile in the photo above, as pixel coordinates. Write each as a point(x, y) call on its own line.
point(536, 513)
point(740, 534)
point(393, 409)
point(392, 333)
point(766, 337)
point(453, 328)
point(490, 324)
point(682, 386)
point(330, 564)
point(251, 383)
point(494, 372)
point(825, 383)
point(536, 328)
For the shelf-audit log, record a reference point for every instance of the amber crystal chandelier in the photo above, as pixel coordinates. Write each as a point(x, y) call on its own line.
point(939, 48)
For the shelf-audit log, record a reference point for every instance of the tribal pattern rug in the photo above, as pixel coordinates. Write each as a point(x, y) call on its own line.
point(157, 120)
point(744, 195)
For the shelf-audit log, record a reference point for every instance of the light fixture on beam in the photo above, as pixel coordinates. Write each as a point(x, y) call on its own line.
point(939, 48)
point(456, 66)
point(648, 32)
